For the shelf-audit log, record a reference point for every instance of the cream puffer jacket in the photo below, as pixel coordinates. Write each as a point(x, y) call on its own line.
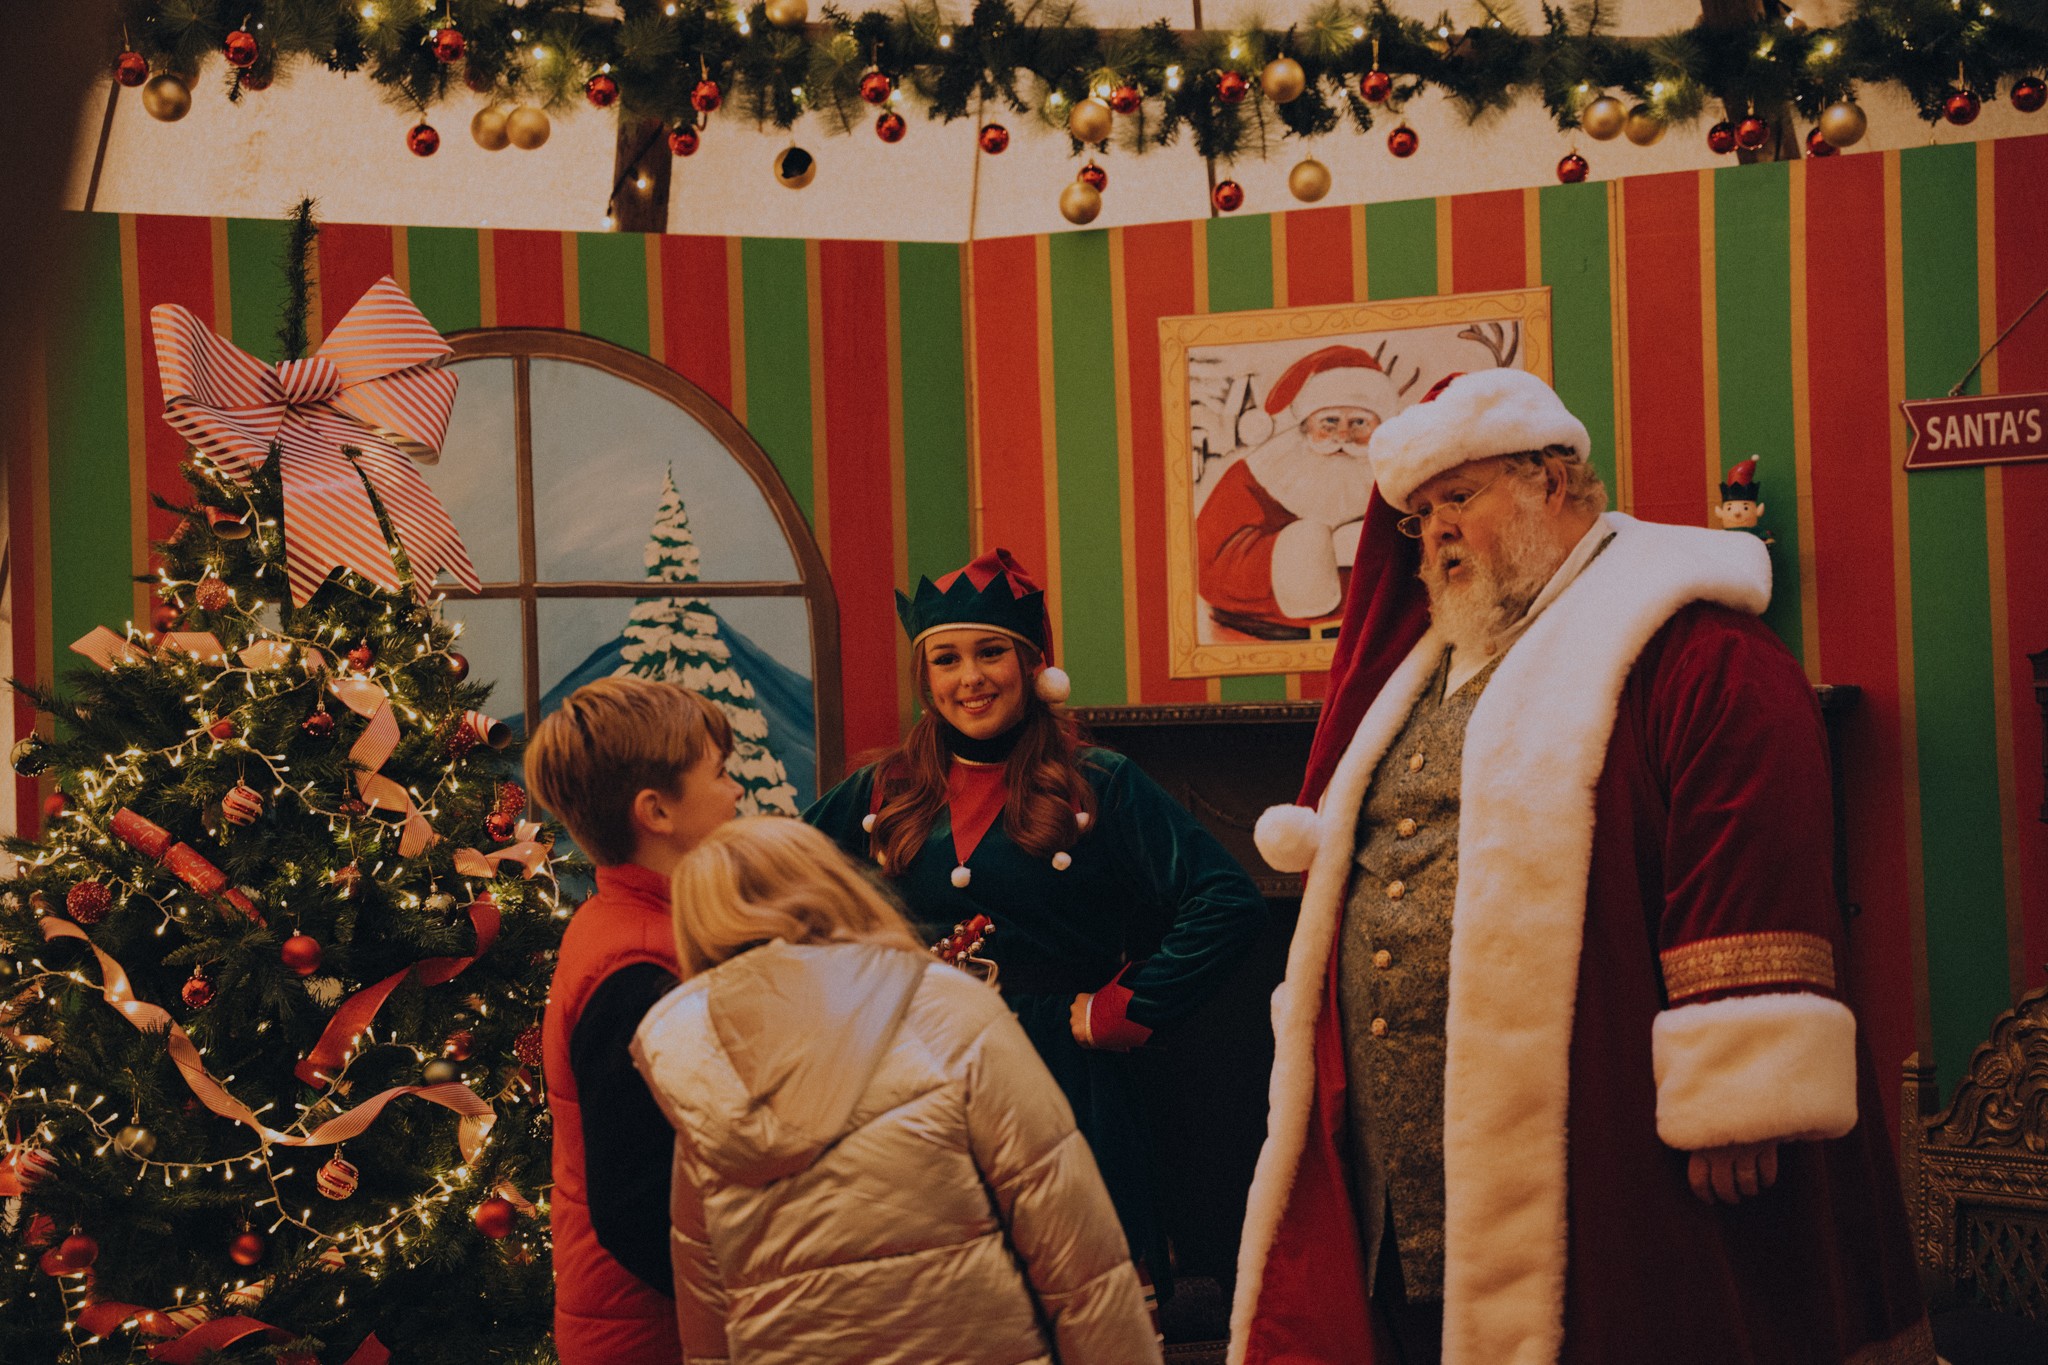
point(873, 1165)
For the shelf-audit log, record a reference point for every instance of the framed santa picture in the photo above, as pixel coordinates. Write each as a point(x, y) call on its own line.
point(1269, 421)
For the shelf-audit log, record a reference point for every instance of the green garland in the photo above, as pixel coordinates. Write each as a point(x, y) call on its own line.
point(1039, 62)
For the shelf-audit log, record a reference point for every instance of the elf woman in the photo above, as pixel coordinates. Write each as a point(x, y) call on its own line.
point(993, 806)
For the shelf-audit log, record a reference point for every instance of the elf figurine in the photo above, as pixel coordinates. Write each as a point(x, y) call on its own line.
point(1739, 509)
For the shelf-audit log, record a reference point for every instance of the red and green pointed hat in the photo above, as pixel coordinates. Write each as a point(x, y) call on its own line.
point(990, 592)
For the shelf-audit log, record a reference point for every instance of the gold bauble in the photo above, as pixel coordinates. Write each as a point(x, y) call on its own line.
point(487, 129)
point(1080, 203)
point(1090, 122)
point(527, 127)
point(167, 97)
point(1643, 126)
point(1842, 123)
point(1309, 180)
point(1603, 118)
point(788, 13)
point(795, 168)
point(1283, 80)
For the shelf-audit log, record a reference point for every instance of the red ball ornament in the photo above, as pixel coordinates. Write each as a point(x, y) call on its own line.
point(1816, 145)
point(458, 665)
point(222, 729)
point(511, 799)
point(1094, 177)
point(423, 140)
point(1125, 99)
point(213, 595)
point(55, 804)
point(240, 48)
point(1231, 87)
point(246, 1249)
point(197, 992)
point(889, 126)
point(705, 97)
point(1228, 196)
point(995, 138)
point(449, 45)
point(480, 81)
point(301, 953)
point(52, 1262)
point(681, 142)
point(1721, 138)
point(1403, 141)
point(460, 1045)
point(1375, 85)
point(131, 69)
point(498, 826)
point(87, 902)
point(601, 90)
point(336, 1180)
point(527, 1046)
point(2029, 94)
point(253, 80)
point(163, 616)
point(875, 87)
point(1752, 133)
point(319, 725)
point(1571, 170)
point(78, 1250)
point(362, 656)
point(494, 1217)
point(1961, 107)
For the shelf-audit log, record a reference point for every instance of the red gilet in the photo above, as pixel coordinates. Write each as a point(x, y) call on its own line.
point(604, 1315)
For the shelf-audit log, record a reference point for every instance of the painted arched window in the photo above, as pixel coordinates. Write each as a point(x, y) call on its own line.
point(623, 521)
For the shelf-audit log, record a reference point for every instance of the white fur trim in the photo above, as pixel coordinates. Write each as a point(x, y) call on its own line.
point(1349, 386)
point(1755, 1067)
point(1525, 847)
point(1305, 579)
point(1479, 415)
point(1053, 684)
point(1287, 837)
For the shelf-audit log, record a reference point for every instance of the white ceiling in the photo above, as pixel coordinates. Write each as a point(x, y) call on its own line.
point(333, 137)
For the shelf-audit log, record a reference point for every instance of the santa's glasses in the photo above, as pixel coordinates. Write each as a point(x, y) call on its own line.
point(1451, 510)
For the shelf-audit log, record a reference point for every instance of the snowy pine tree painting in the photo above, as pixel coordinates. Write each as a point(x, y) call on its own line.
point(677, 639)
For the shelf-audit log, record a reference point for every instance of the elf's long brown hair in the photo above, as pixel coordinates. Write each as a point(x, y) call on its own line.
point(1044, 783)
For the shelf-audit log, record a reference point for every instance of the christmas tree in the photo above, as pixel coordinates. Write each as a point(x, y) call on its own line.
point(676, 639)
point(270, 981)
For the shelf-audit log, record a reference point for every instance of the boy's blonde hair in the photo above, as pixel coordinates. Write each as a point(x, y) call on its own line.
point(766, 877)
point(609, 741)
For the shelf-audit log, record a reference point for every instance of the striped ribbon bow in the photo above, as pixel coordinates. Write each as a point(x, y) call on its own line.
point(344, 420)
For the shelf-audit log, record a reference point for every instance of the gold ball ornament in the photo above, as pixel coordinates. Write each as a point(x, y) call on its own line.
point(1842, 123)
point(788, 13)
point(1309, 180)
point(1603, 118)
point(1283, 80)
point(1090, 121)
point(527, 127)
point(487, 129)
point(1643, 127)
point(167, 97)
point(795, 168)
point(1080, 202)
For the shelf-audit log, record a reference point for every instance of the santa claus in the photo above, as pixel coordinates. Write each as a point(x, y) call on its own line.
point(1277, 534)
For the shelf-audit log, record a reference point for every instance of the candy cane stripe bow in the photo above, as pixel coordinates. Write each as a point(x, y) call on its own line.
point(345, 420)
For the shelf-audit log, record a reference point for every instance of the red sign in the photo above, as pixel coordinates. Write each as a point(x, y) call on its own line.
point(2003, 428)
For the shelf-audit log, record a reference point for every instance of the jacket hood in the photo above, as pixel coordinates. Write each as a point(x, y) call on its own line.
point(761, 1061)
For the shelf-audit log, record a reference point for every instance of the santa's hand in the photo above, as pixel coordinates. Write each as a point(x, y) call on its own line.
point(1077, 1021)
point(1734, 1173)
point(1344, 543)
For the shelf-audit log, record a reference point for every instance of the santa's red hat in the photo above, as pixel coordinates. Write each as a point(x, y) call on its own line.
point(1470, 417)
point(1334, 377)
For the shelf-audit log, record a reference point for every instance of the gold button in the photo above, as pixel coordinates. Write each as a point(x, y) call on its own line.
point(1383, 959)
point(1379, 1028)
point(1406, 829)
point(1396, 890)
point(1415, 763)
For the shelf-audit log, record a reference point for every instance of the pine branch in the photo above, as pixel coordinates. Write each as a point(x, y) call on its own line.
point(298, 279)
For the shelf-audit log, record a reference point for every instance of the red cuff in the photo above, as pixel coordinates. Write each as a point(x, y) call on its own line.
point(1108, 1026)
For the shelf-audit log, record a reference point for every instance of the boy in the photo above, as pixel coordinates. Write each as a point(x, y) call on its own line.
point(636, 770)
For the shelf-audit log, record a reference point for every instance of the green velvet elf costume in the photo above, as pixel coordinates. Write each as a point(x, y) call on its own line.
point(1130, 869)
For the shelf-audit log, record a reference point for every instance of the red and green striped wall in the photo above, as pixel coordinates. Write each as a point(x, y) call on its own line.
point(924, 401)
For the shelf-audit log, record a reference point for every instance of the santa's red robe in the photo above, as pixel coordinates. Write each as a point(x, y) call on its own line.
point(1645, 960)
point(1237, 533)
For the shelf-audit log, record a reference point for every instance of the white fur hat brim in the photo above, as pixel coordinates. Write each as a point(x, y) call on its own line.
point(1473, 417)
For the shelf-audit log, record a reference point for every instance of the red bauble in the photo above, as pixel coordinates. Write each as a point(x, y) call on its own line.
point(480, 81)
point(705, 97)
point(681, 142)
point(458, 665)
point(1721, 138)
point(1094, 177)
point(1572, 169)
point(131, 69)
point(1752, 133)
point(875, 87)
point(213, 595)
point(1403, 141)
point(498, 826)
point(163, 616)
point(197, 992)
point(336, 1180)
point(511, 799)
point(1228, 196)
point(240, 48)
point(889, 126)
point(301, 953)
point(87, 902)
point(1231, 87)
point(2029, 93)
point(494, 1217)
point(995, 139)
point(423, 140)
point(460, 1045)
point(527, 1046)
point(362, 656)
point(246, 1249)
point(1961, 107)
point(601, 90)
point(253, 80)
point(55, 804)
point(52, 1262)
point(1125, 99)
point(1816, 145)
point(78, 1250)
point(222, 729)
point(1375, 85)
point(448, 46)
point(319, 725)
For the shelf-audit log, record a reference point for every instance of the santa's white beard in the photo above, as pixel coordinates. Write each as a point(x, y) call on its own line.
point(1477, 614)
point(1327, 486)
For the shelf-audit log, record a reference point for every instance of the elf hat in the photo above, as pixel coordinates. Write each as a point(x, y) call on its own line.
point(1334, 377)
point(1742, 485)
point(1470, 417)
point(990, 592)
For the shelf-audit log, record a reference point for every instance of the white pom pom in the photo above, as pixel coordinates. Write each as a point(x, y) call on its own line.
point(961, 876)
point(867, 822)
point(1287, 837)
point(1062, 860)
point(1053, 684)
point(1081, 819)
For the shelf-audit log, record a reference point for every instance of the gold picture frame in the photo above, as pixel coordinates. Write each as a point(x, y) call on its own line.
point(1224, 377)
